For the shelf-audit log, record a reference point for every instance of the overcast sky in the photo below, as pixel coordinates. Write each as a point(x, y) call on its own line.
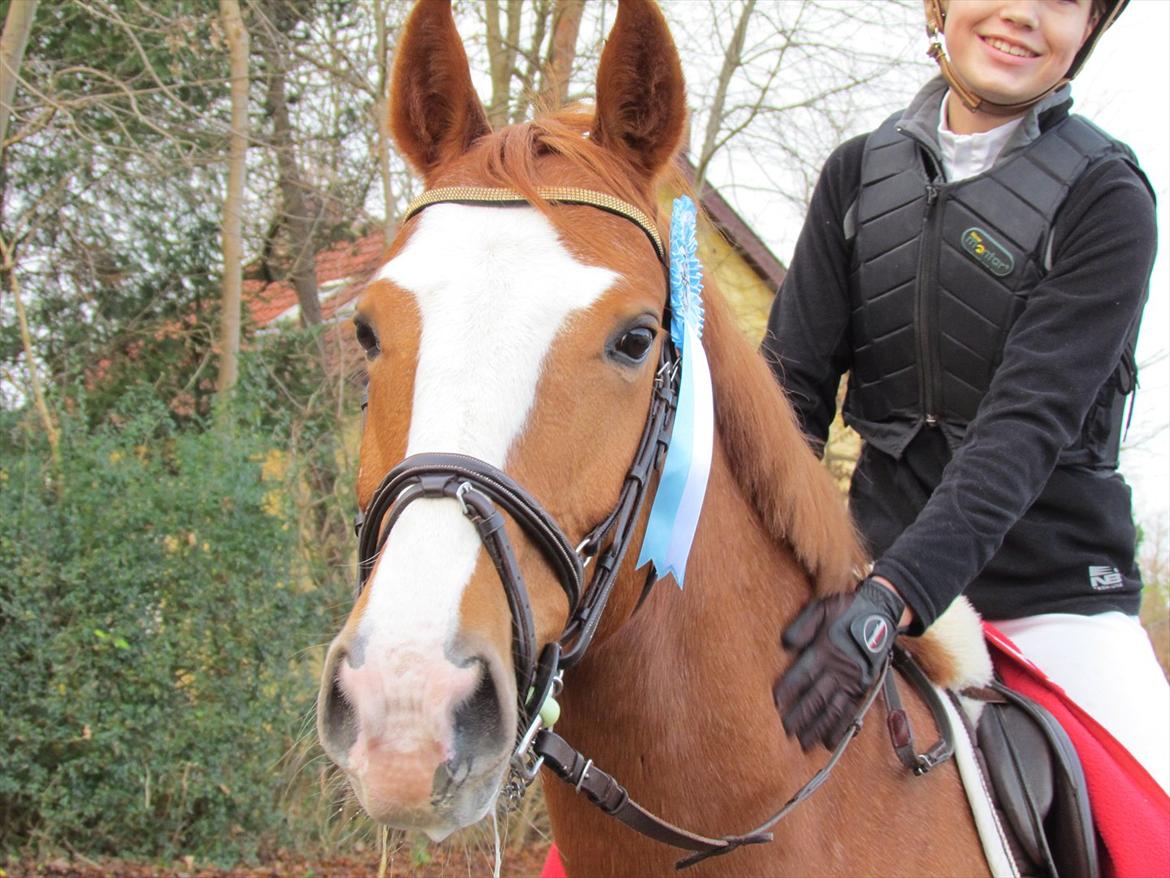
point(1125, 88)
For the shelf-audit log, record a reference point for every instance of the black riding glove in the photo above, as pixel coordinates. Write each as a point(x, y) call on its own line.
point(841, 642)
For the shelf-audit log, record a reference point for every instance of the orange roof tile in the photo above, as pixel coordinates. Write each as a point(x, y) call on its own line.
point(341, 272)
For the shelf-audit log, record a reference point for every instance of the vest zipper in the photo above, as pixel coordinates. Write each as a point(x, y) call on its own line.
point(926, 305)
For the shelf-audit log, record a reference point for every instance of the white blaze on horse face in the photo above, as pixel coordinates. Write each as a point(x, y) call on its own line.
point(494, 286)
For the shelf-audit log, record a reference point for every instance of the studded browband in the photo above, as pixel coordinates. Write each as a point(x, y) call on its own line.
point(555, 194)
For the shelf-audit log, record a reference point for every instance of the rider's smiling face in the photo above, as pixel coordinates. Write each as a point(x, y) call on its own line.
point(1009, 51)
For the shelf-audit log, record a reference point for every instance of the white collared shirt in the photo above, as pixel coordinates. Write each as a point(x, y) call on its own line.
point(965, 155)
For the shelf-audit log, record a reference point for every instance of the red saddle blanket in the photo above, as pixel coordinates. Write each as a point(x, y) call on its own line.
point(552, 866)
point(1130, 809)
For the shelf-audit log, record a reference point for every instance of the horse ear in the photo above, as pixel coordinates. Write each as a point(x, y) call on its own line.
point(435, 114)
point(641, 96)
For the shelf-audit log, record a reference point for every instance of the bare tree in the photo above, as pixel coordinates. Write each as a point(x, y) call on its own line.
point(794, 79)
point(229, 339)
point(732, 61)
point(296, 214)
point(529, 50)
point(502, 45)
point(336, 77)
point(554, 82)
point(17, 25)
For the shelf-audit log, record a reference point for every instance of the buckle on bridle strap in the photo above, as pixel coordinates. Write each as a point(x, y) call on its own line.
point(898, 722)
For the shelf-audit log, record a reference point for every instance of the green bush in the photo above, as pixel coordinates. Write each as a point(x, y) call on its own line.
point(154, 624)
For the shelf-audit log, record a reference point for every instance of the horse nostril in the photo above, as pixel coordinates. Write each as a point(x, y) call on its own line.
point(479, 721)
point(338, 722)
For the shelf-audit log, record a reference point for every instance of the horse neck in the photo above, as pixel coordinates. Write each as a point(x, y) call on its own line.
point(676, 705)
point(741, 585)
point(671, 675)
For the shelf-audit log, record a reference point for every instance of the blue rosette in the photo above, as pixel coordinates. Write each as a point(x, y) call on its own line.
point(674, 516)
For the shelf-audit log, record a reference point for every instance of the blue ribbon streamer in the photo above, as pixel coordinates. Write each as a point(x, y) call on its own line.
point(674, 516)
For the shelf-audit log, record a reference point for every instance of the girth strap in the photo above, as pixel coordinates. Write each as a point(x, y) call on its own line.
point(898, 722)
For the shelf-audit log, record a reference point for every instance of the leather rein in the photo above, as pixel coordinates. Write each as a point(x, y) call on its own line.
point(485, 492)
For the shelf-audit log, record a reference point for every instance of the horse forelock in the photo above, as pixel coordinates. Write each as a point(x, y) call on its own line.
point(556, 149)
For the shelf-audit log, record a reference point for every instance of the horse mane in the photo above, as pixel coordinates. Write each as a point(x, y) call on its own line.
point(792, 493)
point(510, 158)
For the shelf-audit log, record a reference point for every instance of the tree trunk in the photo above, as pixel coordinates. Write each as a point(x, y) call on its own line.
point(8, 268)
point(534, 62)
point(732, 60)
point(16, 29)
point(229, 336)
point(297, 215)
point(382, 111)
point(554, 85)
point(501, 46)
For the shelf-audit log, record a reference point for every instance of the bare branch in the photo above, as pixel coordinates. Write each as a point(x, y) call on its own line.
point(732, 59)
point(8, 267)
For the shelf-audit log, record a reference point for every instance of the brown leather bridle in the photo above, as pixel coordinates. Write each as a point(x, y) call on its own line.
point(483, 490)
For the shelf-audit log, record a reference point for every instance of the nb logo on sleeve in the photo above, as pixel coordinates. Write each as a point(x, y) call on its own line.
point(1102, 578)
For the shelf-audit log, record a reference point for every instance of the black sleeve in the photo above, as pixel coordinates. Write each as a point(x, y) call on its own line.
point(1058, 354)
point(807, 339)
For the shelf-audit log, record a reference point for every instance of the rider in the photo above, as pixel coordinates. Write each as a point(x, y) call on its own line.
point(979, 265)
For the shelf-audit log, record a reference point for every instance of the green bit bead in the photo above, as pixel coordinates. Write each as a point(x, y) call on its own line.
point(550, 712)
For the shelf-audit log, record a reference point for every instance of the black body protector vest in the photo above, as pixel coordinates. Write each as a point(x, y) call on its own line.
point(941, 271)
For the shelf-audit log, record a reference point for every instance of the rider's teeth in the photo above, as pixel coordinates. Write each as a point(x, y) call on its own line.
point(1009, 48)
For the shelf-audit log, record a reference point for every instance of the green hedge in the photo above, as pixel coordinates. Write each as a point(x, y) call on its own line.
point(155, 622)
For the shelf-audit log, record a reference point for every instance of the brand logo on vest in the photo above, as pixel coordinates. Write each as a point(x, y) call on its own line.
point(988, 252)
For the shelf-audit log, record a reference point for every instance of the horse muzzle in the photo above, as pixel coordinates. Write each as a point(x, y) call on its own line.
point(423, 737)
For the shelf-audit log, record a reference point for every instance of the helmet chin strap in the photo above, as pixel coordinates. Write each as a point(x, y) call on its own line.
point(935, 18)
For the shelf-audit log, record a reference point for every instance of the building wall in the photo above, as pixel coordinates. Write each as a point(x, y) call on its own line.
point(747, 293)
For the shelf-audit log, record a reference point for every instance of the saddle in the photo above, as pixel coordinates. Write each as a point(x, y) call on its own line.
point(1030, 768)
point(1039, 789)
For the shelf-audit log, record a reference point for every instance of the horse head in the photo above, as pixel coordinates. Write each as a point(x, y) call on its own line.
point(525, 338)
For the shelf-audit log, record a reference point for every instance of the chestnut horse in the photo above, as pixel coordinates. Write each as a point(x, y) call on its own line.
point(528, 338)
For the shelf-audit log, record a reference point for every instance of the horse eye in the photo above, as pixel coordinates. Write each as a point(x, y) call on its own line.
point(635, 343)
point(368, 339)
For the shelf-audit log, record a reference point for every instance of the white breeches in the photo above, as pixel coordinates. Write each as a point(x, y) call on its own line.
point(1107, 665)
